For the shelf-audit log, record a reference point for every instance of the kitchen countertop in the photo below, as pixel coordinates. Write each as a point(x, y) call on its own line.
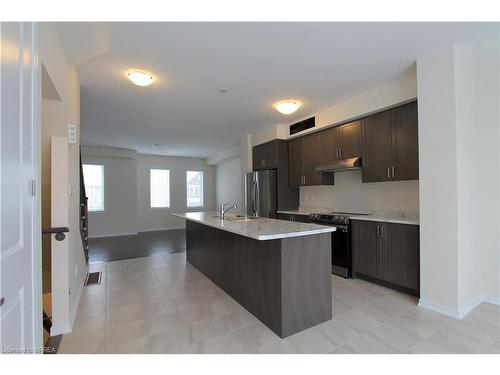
point(396, 217)
point(260, 229)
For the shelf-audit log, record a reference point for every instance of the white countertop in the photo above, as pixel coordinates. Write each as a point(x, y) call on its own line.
point(396, 217)
point(259, 229)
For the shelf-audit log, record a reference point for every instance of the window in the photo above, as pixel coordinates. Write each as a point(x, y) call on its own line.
point(93, 177)
point(160, 188)
point(194, 188)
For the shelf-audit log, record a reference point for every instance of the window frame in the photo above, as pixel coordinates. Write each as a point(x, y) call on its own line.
point(103, 188)
point(202, 193)
point(169, 190)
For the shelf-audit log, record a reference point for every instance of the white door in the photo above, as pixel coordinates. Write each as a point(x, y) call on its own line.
point(20, 231)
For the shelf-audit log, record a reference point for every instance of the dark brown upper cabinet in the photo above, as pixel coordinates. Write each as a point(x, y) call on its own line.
point(390, 145)
point(405, 142)
point(274, 155)
point(341, 142)
point(388, 253)
point(304, 155)
point(265, 155)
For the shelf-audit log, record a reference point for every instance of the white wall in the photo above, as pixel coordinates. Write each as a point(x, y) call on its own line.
point(477, 95)
point(459, 96)
point(126, 201)
point(350, 194)
point(159, 219)
point(56, 115)
point(228, 183)
point(438, 180)
point(120, 192)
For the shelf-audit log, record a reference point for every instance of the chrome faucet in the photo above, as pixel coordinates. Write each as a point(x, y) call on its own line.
point(223, 210)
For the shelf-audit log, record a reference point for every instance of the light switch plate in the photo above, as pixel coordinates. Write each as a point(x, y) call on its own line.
point(72, 134)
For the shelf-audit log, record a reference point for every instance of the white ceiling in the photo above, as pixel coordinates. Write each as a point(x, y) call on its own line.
point(260, 63)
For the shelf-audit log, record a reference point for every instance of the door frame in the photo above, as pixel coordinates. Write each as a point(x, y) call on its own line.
point(36, 165)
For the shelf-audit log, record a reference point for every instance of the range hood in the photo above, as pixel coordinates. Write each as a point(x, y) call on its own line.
point(350, 164)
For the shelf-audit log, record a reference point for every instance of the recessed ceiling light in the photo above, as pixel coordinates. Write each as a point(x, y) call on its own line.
point(287, 107)
point(223, 90)
point(140, 77)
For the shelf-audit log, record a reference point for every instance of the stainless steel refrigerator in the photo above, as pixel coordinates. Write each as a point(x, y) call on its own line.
point(261, 193)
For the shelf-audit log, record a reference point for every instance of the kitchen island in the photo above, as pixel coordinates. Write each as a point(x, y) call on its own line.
point(278, 270)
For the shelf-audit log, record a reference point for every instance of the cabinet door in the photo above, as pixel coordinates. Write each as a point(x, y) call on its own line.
point(366, 248)
point(406, 142)
point(295, 164)
point(330, 144)
point(377, 147)
point(265, 156)
point(401, 261)
point(311, 154)
point(350, 140)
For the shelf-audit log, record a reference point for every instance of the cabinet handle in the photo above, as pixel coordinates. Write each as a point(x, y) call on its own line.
point(378, 230)
point(388, 173)
point(393, 172)
point(382, 231)
point(305, 180)
point(340, 153)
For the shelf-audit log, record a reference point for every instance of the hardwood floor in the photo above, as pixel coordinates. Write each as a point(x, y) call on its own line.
point(107, 249)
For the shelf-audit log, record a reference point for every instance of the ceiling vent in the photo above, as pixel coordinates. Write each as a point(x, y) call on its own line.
point(303, 125)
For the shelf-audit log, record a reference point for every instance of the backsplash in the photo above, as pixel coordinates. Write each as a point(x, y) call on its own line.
point(349, 193)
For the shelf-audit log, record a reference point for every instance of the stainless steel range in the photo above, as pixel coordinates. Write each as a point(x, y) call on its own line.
point(341, 239)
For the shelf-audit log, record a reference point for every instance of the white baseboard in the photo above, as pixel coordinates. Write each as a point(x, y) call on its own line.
point(463, 311)
point(490, 298)
point(448, 311)
point(113, 234)
point(135, 233)
point(60, 329)
point(161, 229)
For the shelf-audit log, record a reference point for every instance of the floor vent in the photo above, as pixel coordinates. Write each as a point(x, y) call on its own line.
point(93, 278)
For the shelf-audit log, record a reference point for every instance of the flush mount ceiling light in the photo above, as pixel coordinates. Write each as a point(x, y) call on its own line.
point(140, 77)
point(287, 107)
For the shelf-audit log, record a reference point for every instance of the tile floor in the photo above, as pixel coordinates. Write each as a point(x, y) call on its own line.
point(161, 304)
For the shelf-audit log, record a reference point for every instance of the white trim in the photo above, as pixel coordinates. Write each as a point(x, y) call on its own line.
point(463, 311)
point(60, 329)
point(136, 233)
point(448, 311)
point(113, 234)
point(36, 165)
point(490, 298)
point(78, 298)
point(161, 229)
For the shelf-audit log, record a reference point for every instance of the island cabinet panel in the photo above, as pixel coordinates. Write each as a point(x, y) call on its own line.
point(285, 283)
point(387, 253)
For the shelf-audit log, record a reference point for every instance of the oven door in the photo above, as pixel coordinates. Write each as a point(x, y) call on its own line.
point(341, 251)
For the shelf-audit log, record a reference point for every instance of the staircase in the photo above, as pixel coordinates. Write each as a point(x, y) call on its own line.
point(84, 215)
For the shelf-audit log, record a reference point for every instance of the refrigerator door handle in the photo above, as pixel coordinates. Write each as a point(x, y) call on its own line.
point(257, 198)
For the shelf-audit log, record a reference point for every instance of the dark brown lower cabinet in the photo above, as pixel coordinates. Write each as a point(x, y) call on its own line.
point(387, 253)
point(295, 217)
